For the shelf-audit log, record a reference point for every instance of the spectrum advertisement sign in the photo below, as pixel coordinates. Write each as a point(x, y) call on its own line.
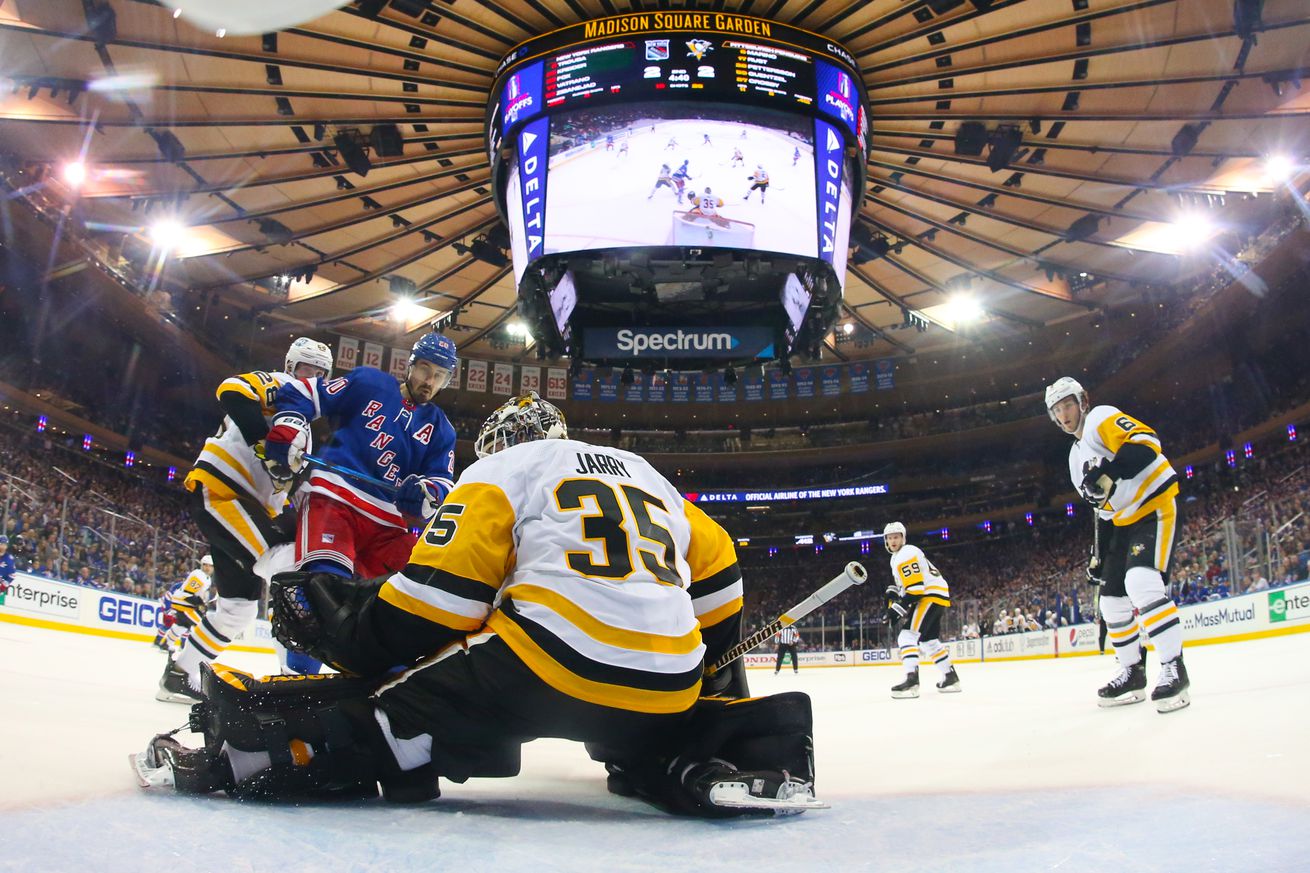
point(603, 343)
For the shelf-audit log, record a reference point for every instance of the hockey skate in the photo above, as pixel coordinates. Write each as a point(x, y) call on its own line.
point(1170, 692)
point(167, 764)
point(908, 688)
point(174, 686)
point(1128, 687)
point(950, 683)
point(719, 784)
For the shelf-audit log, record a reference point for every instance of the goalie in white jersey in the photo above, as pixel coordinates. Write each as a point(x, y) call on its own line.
point(918, 597)
point(1117, 465)
point(561, 590)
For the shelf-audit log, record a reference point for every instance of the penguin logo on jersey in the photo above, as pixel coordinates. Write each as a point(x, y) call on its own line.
point(1136, 549)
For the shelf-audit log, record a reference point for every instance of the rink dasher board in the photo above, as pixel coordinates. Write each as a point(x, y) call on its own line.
point(36, 601)
point(1272, 613)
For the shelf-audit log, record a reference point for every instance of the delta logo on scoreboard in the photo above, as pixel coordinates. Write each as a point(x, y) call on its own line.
point(533, 140)
point(828, 145)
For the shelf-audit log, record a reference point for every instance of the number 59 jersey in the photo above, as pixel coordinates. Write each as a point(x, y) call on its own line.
point(917, 576)
point(590, 566)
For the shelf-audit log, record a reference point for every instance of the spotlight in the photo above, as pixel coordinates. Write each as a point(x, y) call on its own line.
point(406, 310)
point(963, 310)
point(75, 173)
point(1005, 142)
point(1279, 168)
point(848, 328)
point(168, 233)
point(350, 144)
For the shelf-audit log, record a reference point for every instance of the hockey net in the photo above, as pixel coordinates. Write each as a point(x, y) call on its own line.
point(692, 228)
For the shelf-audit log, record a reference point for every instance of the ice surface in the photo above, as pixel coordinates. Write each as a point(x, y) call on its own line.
point(1019, 772)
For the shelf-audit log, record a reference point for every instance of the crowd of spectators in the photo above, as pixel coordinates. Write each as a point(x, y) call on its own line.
point(94, 524)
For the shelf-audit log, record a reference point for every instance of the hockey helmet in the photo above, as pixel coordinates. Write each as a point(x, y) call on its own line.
point(440, 350)
point(207, 559)
point(1065, 386)
point(4, 540)
point(891, 528)
point(524, 419)
point(308, 351)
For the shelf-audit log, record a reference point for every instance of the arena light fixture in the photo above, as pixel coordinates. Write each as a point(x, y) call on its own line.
point(848, 328)
point(75, 173)
point(407, 310)
point(1192, 229)
point(963, 309)
point(168, 233)
point(1279, 168)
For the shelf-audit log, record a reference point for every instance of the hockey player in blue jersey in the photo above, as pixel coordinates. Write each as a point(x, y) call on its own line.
point(388, 430)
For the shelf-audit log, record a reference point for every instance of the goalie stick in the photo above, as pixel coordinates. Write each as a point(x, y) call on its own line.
point(854, 574)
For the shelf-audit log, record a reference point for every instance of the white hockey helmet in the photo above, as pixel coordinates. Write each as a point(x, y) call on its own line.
point(308, 351)
point(207, 559)
point(1065, 386)
point(521, 420)
point(891, 528)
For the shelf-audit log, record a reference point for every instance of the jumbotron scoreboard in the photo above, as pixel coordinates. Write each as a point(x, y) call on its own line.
point(678, 170)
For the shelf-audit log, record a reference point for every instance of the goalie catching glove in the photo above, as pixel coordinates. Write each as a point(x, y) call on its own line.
point(286, 445)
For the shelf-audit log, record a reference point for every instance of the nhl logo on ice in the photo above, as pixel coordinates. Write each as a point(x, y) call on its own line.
point(657, 49)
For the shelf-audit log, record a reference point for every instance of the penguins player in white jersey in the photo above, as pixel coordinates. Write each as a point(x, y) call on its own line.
point(561, 590)
point(1117, 464)
point(240, 509)
point(918, 596)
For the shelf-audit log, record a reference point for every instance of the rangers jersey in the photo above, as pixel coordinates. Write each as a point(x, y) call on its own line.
point(227, 465)
point(376, 432)
point(589, 565)
point(1105, 431)
point(916, 576)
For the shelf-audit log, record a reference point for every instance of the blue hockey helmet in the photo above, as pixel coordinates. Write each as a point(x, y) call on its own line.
point(440, 350)
point(4, 540)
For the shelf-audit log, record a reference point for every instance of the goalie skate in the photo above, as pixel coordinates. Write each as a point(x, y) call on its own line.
point(765, 792)
point(167, 764)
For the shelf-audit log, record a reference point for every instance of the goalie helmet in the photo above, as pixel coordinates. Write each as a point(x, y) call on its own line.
point(308, 351)
point(891, 528)
point(524, 419)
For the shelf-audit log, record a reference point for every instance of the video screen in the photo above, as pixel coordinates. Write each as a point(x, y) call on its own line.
point(563, 300)
point(681, 174)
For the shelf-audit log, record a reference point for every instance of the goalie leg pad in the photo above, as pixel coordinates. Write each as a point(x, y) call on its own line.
point(319, 733)
point(764, 746)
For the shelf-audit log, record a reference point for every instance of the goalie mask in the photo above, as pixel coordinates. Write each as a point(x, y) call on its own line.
point(522, 420)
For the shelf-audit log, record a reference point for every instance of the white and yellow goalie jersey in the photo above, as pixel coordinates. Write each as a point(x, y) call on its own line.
point(916, 576)
point(588, 564)
point(227, 465)
point(1105, 431)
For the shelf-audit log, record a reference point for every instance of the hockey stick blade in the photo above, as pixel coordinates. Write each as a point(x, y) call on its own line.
point(853, 574)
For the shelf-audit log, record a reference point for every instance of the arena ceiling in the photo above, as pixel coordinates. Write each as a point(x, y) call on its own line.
point(1140, 128)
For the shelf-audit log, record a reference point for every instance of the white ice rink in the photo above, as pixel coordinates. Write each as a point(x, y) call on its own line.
point(1020, 772)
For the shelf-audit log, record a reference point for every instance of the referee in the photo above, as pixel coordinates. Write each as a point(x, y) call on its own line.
point(788, 637)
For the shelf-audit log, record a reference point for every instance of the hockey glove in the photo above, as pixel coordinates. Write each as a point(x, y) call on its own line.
point(286, 445)
point(1096, 486)
point(418, 496)
point(895, 613)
